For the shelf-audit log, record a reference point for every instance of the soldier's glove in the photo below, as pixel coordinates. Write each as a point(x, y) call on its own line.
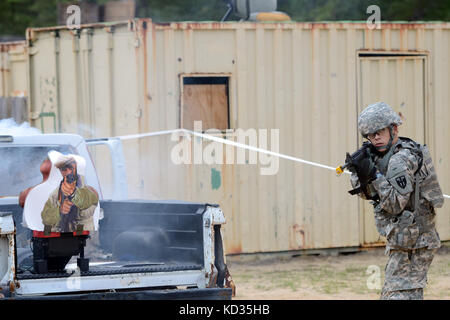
point(364, 167)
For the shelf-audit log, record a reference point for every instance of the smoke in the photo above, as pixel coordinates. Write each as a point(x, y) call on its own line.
point(154, 231)
point(10, 127)
point(14, 160)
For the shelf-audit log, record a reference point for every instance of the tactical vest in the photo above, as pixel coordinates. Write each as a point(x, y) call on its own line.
point(429, 187)
point(405, 230)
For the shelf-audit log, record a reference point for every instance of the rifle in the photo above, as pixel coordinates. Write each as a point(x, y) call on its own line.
point(352, 163)
point(66, 219)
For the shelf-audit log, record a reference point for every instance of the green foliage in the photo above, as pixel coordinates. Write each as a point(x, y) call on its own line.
point(185, 10)
point(407, 10)
point(17, 15)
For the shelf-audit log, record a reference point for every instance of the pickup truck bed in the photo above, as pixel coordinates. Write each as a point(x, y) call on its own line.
point(149, 245)
point(140, 247)
point(112, 269)
point(151, 294)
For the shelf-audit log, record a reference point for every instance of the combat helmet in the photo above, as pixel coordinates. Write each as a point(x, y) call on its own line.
point(378, 116)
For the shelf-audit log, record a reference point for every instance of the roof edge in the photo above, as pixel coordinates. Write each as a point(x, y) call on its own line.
point(399, 24)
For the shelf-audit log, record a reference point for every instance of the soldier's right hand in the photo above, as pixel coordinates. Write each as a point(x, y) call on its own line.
point(364, 167)
point(65, 207)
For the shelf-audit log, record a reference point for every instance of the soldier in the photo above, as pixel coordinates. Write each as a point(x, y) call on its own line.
point(398, 176)
point(71, 206)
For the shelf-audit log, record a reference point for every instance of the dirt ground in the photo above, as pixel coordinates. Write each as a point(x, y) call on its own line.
point(355, 276)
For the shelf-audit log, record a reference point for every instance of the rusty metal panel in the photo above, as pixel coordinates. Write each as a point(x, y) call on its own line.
point(14, 107)
point(308, 89)
point(13, 75)
point(301, 78)
point(399, 81)
point(438, 113)
point(296, 208)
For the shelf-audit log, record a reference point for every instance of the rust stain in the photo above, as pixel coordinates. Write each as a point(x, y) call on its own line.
point(235, 249)
point(403, 39)
point(373, 244)
point(140, 28)
point(229, 283)
point(144, 41)
point(292, 25)
point(297, 239)
point(87, 25)
point(12, 287)
point(136, 55)
point(245, 25)
point(212, 280)
point(154, 59)
point(12, 46)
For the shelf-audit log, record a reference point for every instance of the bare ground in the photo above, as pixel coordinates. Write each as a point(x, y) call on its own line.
point(357, 276)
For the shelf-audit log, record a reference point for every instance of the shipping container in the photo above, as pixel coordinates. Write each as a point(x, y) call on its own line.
point(13, 69)
point(306, 82)
point(13, 81)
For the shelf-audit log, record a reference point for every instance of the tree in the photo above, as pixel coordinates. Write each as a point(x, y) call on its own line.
point(17, 15)
point(407, 10)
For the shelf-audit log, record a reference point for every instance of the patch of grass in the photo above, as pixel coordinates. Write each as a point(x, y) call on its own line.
point(289, 284)
point(243, 277)
point(361, 289)
point(263, 287)
point(355, 270)
point(330, 288)
point(336, 278)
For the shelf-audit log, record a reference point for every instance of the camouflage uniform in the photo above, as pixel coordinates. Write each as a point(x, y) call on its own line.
point(85, 201)
point(410, 231)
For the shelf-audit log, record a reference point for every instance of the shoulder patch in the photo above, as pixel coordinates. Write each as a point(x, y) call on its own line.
point(401, 181)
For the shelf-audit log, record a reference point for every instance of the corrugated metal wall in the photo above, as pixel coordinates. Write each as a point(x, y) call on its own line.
point(307, 80)
point(14, 107)
point(13, 69)
point(13, 81)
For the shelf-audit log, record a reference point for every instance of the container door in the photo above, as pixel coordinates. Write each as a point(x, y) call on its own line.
point(398, 80)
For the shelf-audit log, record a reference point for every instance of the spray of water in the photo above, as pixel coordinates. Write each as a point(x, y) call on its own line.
point(10, 127)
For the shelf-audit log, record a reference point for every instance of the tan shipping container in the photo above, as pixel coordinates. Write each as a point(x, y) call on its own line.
point(13, 69)
point(309, 80)
point(13, 81)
